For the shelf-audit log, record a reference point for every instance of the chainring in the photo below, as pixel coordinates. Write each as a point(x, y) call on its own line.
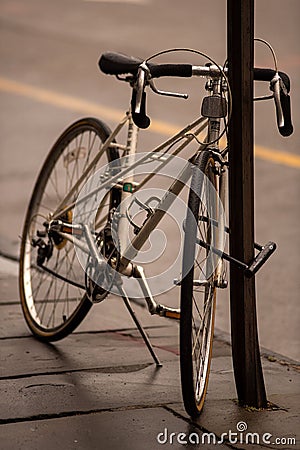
point(99, 283)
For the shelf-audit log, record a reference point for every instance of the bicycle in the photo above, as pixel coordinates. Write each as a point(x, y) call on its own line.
point(58, 285)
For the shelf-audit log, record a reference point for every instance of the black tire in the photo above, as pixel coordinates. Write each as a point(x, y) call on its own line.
point(52, 307)
point(198, 301)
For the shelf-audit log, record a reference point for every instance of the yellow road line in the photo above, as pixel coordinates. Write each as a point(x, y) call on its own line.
point(76, 104)
point(84, 107)
point(276, 156)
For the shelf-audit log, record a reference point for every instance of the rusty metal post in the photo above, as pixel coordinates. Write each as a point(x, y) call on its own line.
point(245, 346)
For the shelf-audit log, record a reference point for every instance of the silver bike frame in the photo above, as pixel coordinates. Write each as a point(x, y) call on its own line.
point(126, 172)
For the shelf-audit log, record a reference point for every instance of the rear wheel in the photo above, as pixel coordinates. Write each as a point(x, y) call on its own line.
point(198, 292)
point(52, 281)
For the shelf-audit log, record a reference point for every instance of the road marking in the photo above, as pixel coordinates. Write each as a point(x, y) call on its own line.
point(82, 106)
point(276, 156)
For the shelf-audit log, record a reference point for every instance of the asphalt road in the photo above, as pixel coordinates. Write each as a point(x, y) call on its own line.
point(49, 78)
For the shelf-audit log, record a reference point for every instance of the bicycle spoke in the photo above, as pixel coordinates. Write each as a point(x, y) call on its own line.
point(197, 323)
point(53, 305)
point(43, 309)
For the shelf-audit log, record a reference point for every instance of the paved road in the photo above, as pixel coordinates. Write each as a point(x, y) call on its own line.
point(99, 388)
point(49, 78)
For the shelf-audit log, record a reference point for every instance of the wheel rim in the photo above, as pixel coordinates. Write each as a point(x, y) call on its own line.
point(202, 328)
point(203, 297)
point(198, 292)
point(51, 303)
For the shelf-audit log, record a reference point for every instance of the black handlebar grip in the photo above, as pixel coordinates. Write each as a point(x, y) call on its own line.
point(170, 70)
point(140, 119)
point(285, 102)
point(268, 74)
point(286, 79)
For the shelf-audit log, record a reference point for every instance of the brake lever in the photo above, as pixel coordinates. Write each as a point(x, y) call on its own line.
point(144, 78)
point(138, 99)
point(140, 86)
point(275, 85)
point(166, 93)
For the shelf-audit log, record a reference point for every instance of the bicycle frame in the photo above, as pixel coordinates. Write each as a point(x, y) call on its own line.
point(126, 173)
point(128, 150)
point(107, 232)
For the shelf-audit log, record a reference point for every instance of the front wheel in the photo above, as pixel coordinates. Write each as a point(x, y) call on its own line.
point(198, 292)
point(51, 279)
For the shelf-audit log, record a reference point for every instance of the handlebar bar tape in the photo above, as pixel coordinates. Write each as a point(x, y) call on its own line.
point(285, 102)
point(113, 63)
point(268, 75)
point(140, 119)
point(170, 70)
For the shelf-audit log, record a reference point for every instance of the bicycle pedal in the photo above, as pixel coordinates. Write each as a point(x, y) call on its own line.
point(166, 311)
point(264, 254)
point(173, 315)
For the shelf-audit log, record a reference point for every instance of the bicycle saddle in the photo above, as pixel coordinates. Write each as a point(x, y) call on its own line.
point(112, 63)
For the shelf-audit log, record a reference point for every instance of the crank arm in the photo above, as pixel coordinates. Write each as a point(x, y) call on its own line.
point(153, 307)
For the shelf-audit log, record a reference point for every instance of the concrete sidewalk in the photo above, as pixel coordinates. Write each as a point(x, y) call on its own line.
point(99, 389)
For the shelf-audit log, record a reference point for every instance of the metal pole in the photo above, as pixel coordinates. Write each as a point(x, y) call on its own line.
point(245, 346)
